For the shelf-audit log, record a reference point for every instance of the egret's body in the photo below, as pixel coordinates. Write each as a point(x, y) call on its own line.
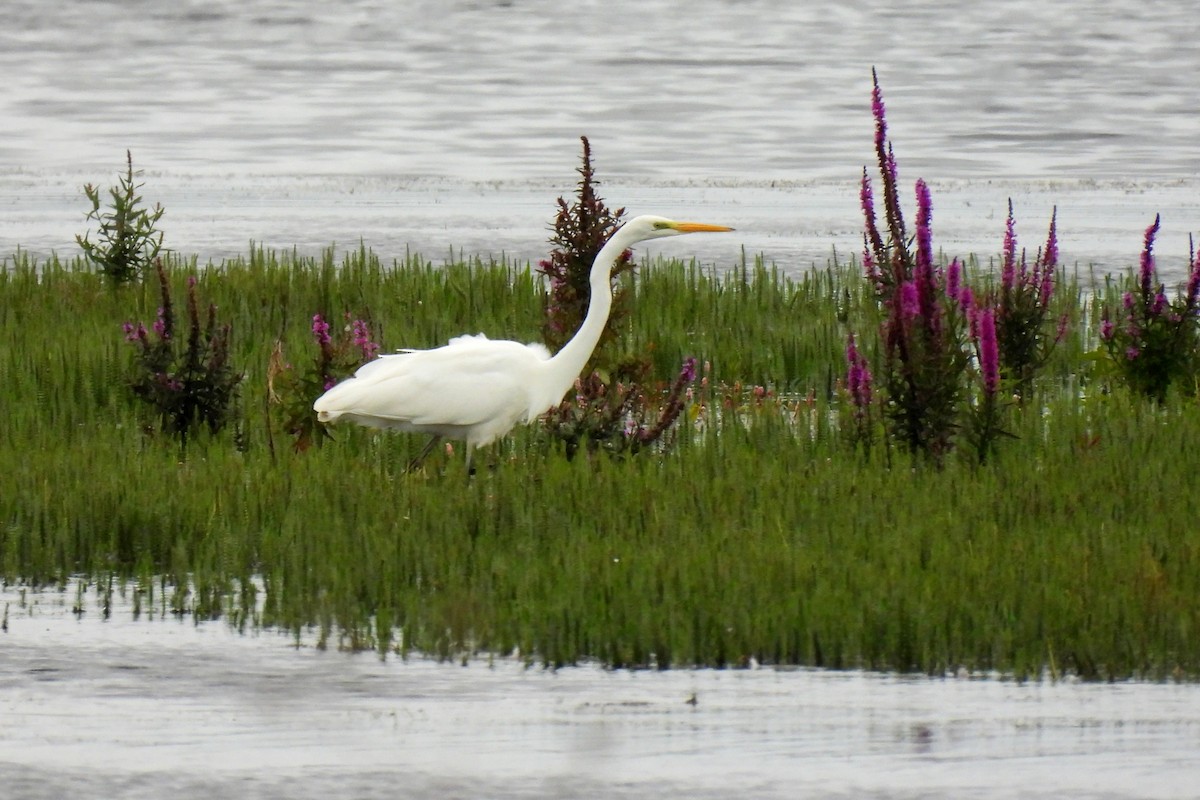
point(476, 389)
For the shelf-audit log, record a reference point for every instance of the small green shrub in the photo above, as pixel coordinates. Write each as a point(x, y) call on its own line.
point(128, 239)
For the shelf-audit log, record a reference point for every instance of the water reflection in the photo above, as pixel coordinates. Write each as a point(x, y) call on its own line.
point(151, 708)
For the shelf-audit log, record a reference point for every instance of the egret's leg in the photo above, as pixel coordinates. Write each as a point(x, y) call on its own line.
point(415, 464)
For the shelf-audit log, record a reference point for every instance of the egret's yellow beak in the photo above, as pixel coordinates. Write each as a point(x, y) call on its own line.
point(698, 227)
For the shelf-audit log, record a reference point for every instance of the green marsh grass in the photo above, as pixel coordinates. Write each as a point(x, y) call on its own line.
point(760, 536)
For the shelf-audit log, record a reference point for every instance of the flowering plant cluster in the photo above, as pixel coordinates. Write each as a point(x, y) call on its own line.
point(189, 380)
point(1022, 306)
point(295, 391)
point(923, 332)
point(1152, 341)
point(945, 351)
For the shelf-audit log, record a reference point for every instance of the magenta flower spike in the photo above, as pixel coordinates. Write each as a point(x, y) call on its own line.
point(924, 223)
point(872, 236)
point(362, 339)
point(910, 302)
point(688, 372)
point(1160, 305)
point(878, 111)
point(1008, 269)
point(320, 330)
point(1146, 273)
point(1193, 286)
point(858, 379)
point(870, 268)
point(1050, 257)
point(989, 352)
point(954, 279)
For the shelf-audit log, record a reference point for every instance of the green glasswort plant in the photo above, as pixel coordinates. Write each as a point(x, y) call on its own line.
point(294, 391)
point(128, 238)
point(610, 408)
point(1155, 344)
point(189, 382)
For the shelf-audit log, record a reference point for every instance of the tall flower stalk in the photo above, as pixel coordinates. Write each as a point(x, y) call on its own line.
point(924, 355)
point(1022, 305)
point(984, 426)
point(859, 386)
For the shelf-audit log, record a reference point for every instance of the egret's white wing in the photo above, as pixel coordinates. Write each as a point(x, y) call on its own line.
point(470, 381)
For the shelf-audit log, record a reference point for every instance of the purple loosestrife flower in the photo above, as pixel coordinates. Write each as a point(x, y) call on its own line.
point(1047, 286)
point(874, 242)
point(966, 299)
point(1193, 285)
point(1060, 332)
point(1107, 329)
point(1160, 305)
point(134, 333)
point(871, 269)
point(362, 339)
point(879, 112)
point(910, 301)
point(954, 280)
point(160, 325)
point(989, 352)
point(1049, 259)
point(972, 309)
point(1008, 271)
point(688, 373)
point(924, 220)
point(1146, 273)
point(858, 379)
point(320, 329)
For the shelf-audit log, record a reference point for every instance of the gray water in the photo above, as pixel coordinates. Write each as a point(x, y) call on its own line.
point(163, 708)
point(452, 126)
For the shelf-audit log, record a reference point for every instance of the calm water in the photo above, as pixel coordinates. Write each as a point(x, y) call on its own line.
point(454, 125)
point(164, 708)
point(439, 125)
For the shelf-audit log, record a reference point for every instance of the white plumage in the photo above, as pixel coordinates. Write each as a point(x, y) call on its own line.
point(476, 389)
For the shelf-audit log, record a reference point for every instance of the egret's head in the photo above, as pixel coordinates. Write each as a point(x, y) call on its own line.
point(651, 227)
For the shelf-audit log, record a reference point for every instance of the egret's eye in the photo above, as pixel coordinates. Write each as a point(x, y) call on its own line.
point(661, 226)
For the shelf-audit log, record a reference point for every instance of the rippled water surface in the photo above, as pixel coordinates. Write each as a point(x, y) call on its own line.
point(439, 125)
point(164, 708)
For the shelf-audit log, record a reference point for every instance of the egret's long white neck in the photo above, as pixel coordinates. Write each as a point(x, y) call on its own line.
point(568, 362)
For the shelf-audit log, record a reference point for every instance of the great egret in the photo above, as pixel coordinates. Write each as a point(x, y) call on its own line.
point(477, 389)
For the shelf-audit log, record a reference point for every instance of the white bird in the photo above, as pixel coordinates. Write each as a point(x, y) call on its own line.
point(476, 389)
